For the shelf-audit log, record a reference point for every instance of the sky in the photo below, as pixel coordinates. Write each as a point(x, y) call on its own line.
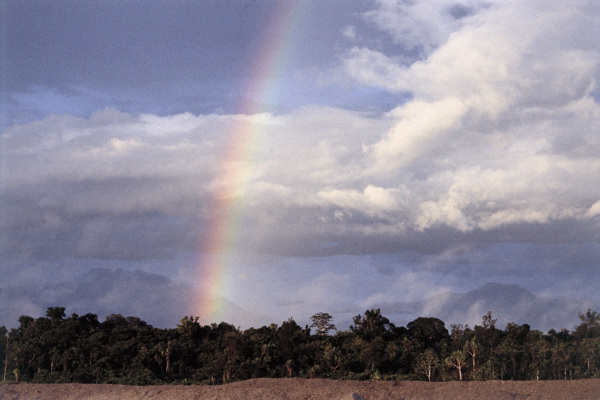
point(255, 161)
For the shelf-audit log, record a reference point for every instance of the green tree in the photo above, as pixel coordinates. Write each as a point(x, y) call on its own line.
point(322, 321)
point(473, 348)
point(332, 358)
point(511, 347)
point(232, 352)
point(430, 332)
point(372, 353)
point(188, 327)
point(371, 324)
point(560, 357)
point(589, 350)
point(538, 352)
point(590, 325)
point(489, 337)
point(457, 359)
point(408, 351)
point(56, 314)
point(459, 335)
point(427, 363)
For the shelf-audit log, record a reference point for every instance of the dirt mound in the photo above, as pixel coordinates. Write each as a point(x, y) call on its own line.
point(313, 389)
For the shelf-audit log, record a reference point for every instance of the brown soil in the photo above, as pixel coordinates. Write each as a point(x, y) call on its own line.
point(313, 389)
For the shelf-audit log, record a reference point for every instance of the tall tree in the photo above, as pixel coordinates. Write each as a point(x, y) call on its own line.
point(372, 352)
point(589, 349)
point(56, 314)
point(590, 325)
point(489, 337)
point(457, 360)
point(371, 324)
point(427, 363)
point(430, 332)
point(322, 321)
point(473, 349)
point(538, 351)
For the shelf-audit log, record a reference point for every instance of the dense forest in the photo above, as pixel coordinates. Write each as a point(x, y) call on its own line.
point(127, 350)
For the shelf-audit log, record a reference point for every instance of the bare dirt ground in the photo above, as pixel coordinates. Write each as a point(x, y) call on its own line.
point(313, 389)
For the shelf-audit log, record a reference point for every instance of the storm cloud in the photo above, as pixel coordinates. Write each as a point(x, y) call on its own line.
point(484, 170)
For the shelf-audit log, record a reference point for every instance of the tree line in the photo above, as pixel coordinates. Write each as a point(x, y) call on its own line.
point(126, 350)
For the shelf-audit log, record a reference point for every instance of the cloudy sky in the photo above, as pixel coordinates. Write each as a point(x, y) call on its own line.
point(252, 161)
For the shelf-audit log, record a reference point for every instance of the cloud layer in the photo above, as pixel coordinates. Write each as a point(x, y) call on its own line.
point(494, 143)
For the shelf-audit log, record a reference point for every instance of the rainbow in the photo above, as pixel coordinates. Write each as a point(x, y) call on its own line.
point(274, 47)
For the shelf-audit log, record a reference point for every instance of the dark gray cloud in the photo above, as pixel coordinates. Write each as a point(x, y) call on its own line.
point(161, 58)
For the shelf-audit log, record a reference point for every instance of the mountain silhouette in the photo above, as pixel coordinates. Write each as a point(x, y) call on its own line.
point(507, 302)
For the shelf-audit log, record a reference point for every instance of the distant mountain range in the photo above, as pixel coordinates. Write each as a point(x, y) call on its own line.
point(508, 303)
